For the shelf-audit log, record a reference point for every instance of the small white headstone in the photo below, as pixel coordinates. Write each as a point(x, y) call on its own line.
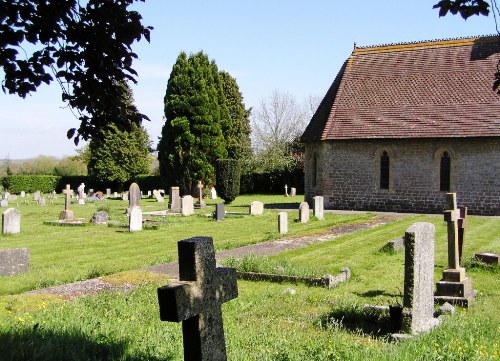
point(256, 208)
point(23, 194)
point(213, 192)
point(293, 192)
point(187, 204)
point(11, 221)
point(283, 222)
point(158, 196)
point(135, 219)
point(304, 212)
point(318, 210)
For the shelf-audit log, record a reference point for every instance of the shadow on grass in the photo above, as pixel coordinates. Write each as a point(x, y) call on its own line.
point(361, 321)
point(287, 206)
point(38, 344)
point(375, 293)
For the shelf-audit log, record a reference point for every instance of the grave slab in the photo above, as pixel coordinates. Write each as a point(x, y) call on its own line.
point(14, 261)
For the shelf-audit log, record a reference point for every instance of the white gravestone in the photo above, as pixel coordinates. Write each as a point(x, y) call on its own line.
point(256, 208)
point(304, 212)
point(11, 221)
point(135, 219)
point(283, 222)
point(318, 210)
point(187, 204)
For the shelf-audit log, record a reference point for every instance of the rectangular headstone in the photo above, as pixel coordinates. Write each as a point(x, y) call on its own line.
point(11, 221)
point(219, 212)
point(4, 203)
point(41, 201)
point(187, 204)
point(197, 301)
point(23, 194)
point(318, 210)
point(91, 192)
point(283, 222)
point(125, 196)
point(134, 195)
point(135, 219)
point(36, 195)
point(115, 195)
point(293, 192)
point(14, 261)
point(303, 212)
point(418, 299)
point(108, 192)
point(158, 196)
point(256, 208)
point(174, 201)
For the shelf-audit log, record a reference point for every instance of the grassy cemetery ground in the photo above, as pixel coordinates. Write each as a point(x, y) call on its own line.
point(268, 321)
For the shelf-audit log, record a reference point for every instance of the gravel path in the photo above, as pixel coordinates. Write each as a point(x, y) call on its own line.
point(83, 288)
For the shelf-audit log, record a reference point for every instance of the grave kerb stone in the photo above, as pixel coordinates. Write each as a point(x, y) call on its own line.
point(197, 301)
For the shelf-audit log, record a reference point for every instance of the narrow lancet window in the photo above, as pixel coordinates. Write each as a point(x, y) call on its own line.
point(315, 170)
point(384, 171)
point(444, 173)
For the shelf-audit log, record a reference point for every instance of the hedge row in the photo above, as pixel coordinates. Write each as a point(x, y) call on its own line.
point(30, 183)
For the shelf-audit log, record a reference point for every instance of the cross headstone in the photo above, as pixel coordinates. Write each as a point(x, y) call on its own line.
point(418, 299)
point(134, 195)
point(187, 206)
point(283, 222)
point(135, 219)
point(256, 208)
point(293, 192)
point(158, 196)
point(303, 212)
point(11, 221)
point(286, 190)
point(200, 203)
point(454, 287)
point(14, 261)
point(174, 200)
point(318, 210)
point(219, 212)
point(67, 213)
point(197, 301)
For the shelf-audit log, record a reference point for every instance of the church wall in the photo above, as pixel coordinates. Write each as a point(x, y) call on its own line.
point(348, 174)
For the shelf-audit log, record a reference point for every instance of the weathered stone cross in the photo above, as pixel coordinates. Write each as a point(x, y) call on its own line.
point(451, 216)
point(197, 303)
point(67, 200)
point(200, 203)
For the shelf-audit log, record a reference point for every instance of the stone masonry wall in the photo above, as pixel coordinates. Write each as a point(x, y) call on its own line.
point(348, 172)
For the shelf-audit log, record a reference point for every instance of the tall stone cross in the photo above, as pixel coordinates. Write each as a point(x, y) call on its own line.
point(451, 217)
point(67, 198)
point(200, 195)
point(197, 301)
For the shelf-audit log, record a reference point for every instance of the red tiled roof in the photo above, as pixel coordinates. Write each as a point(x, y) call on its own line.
point(421, 90)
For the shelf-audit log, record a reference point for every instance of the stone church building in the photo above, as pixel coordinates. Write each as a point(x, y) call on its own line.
point(404, 124)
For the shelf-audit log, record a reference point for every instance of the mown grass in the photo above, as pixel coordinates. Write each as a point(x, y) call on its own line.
point(66, 254)
point(266, 322)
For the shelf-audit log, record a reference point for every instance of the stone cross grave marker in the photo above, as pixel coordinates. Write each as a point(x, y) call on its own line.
point(286, 190)
point(197, 301)
point(14, 261)
point(283, 222)
point(67, 213)
point(200, 203)
point(318, 210)
point(187, 206)
point(158, 196)
point(11, 221)
point(174, 200)
point(135, 219)
point(454, 287)
point(256, 208)
point(134, 195)
point(418, 299)
point(303, 212)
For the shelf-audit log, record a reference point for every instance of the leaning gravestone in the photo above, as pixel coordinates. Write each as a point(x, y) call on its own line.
point(134, 195)
point(256, 208)
point(135, 219)
point(158, 196)
point(11, 221)
point(283, 222)
point(197, 301)
point(318, 210)
point(219, 212)
point(418, 299)
point(187, 206)
point(303, 212)
point(14, 261)
point(174, 200)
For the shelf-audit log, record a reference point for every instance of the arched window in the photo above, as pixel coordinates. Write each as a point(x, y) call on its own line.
point(444, 172)
point(384, 171)
point(315, 170)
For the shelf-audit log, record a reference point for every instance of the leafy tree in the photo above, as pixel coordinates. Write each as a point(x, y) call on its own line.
point(86, 49)
point(117, 156)
point(195, 114)
point(41, 165)
point(70, 166)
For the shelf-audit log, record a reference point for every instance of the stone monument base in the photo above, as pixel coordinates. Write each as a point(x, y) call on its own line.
point(66, 214)
point(454, 288)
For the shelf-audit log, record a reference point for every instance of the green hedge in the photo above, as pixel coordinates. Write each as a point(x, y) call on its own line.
point(228, 179)
point(31, 183)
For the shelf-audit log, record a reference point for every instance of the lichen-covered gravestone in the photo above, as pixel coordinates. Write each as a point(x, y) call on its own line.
point(11, 221)
point(187, 206)
point(418, 299)
point(174, 201)
point(100, 217)
point(197, 301)
point(318, 210)
point(14, 261)
point(303, 212)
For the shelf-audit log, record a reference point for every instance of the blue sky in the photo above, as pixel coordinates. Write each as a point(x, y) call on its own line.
point(287, 45)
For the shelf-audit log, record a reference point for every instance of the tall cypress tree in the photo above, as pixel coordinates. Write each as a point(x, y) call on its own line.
point(195, 114)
